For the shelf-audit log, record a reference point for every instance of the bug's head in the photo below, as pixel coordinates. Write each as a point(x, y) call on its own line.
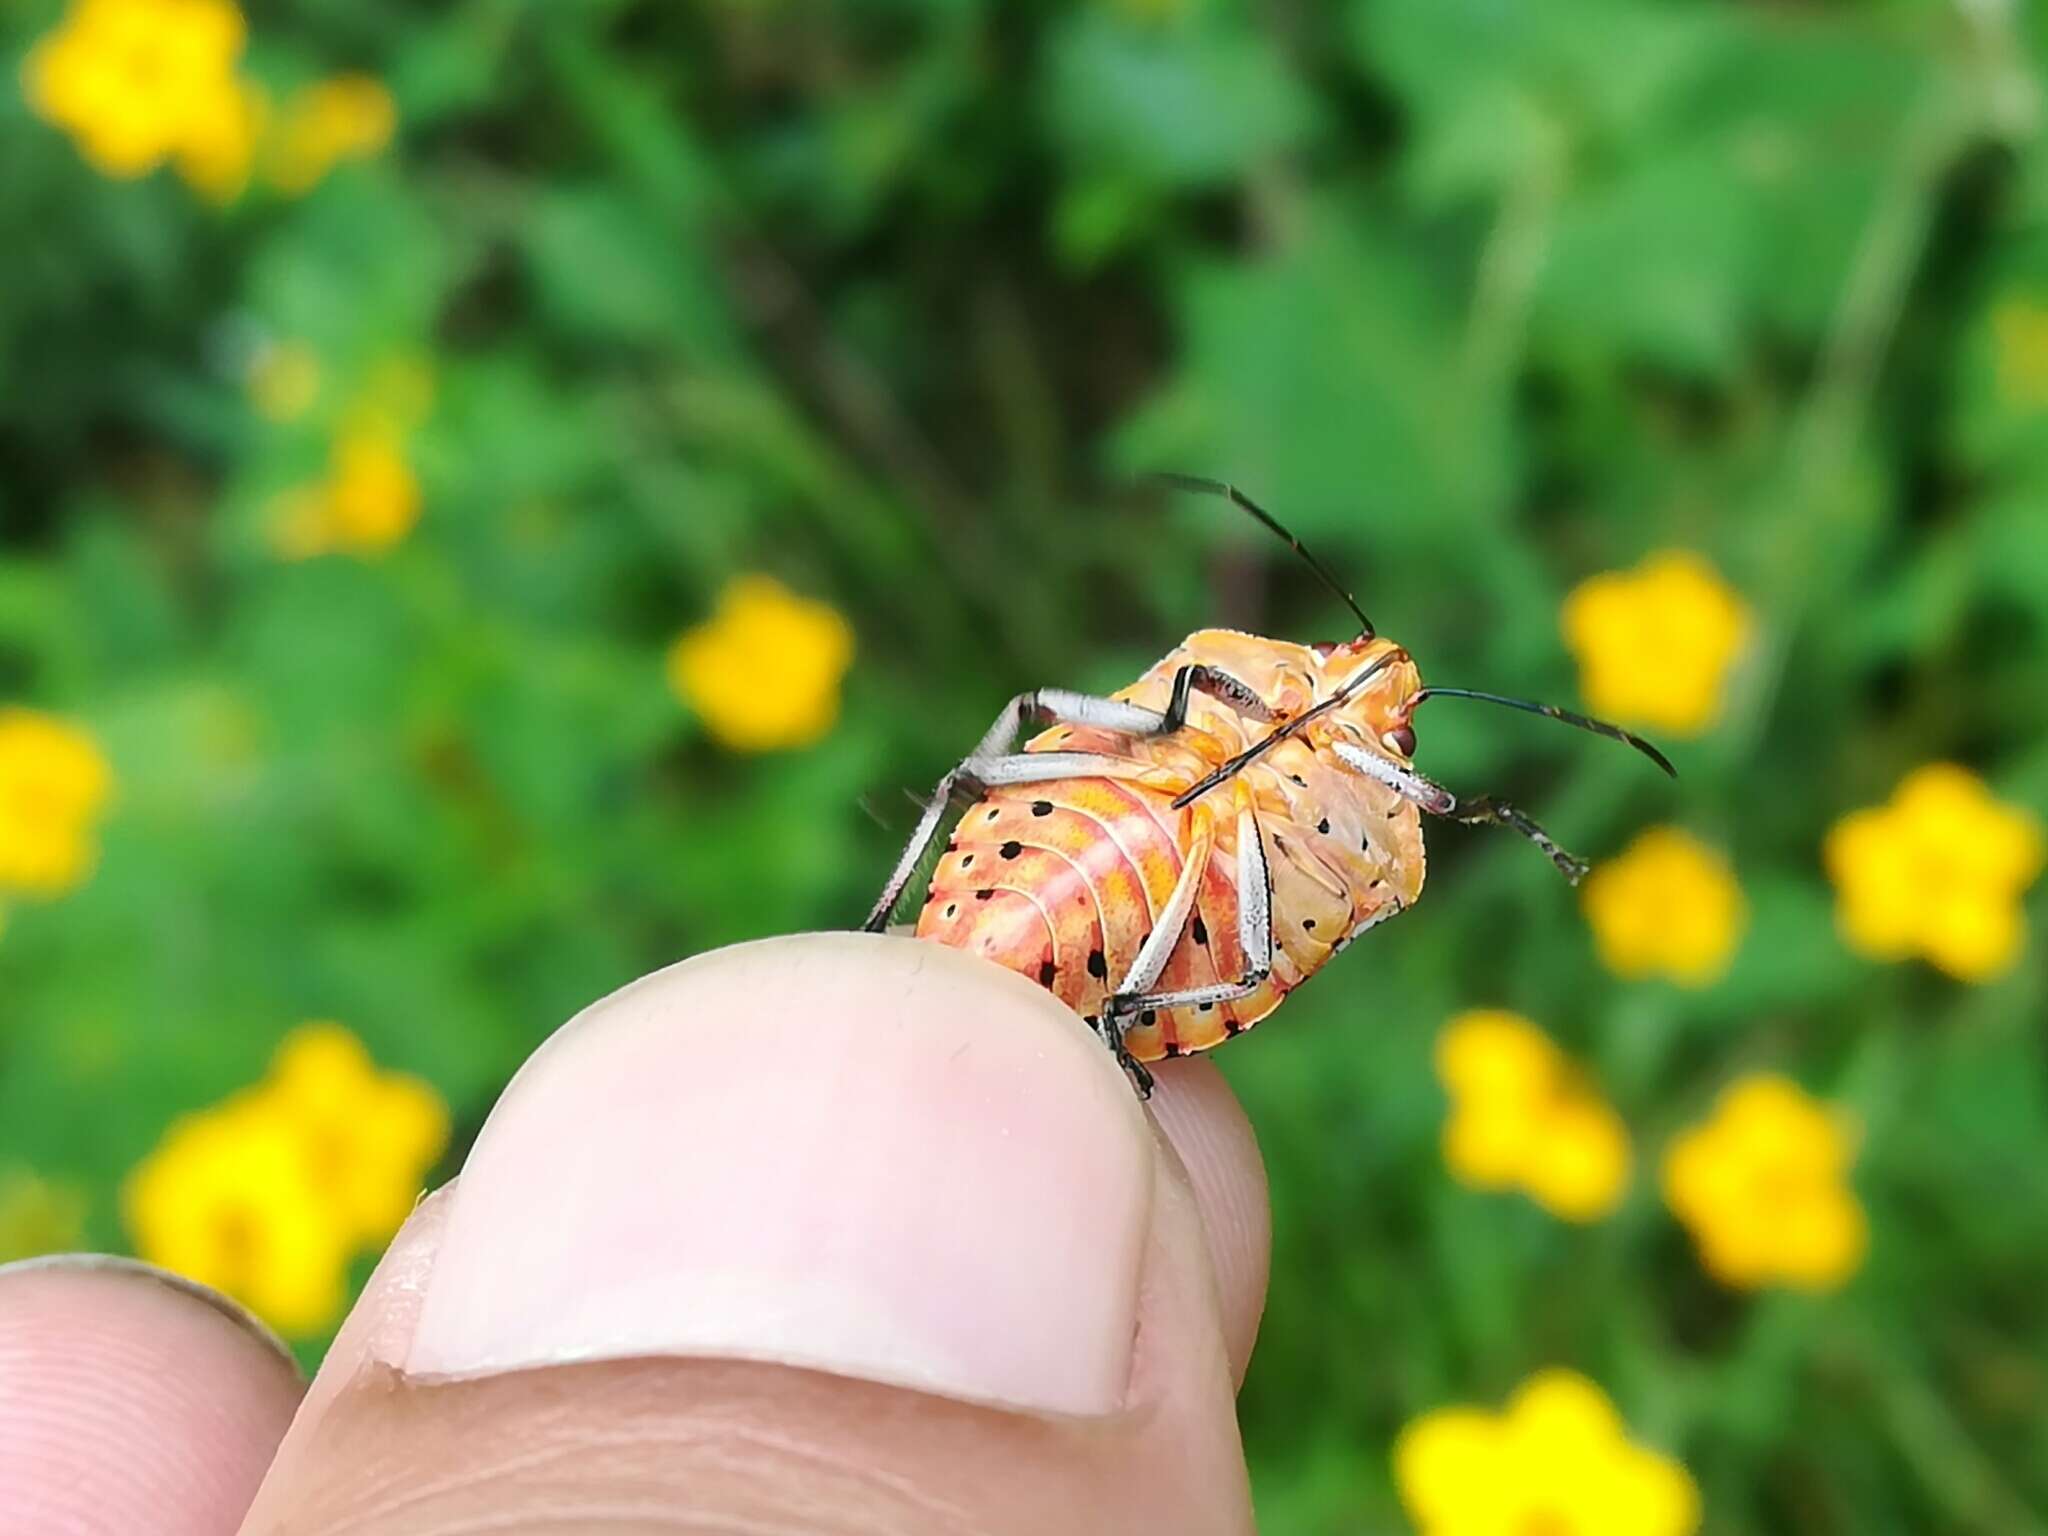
point(1377, 684)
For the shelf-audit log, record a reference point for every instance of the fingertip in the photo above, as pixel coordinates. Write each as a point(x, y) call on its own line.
point(851, 1153)
point(1209, 1131)
point(133, 1399)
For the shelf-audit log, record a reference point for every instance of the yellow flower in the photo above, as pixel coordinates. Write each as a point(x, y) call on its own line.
point(220, 142)
point(268, 1194)
point(283, 380)
point(229, 1198)
point(1669, 906)
point(347, 117)
point(1656, 644)
point(373, 499)
point(370, 1136)
point(764, 670)
point(139, 82)
point(37, 1215)
point(53, 785)
point(1762, 1185)
point(2019, 330)
point(368, 502)
point(1522, 1115)
point(1938, 871)
point(1556, 1462)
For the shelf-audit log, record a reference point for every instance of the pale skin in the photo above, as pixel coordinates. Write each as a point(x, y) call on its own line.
point(839, 1233)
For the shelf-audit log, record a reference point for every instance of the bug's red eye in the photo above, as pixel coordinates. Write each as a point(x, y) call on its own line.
point(1402, 739)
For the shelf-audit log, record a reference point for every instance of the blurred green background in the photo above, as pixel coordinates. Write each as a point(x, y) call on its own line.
point(893, 302)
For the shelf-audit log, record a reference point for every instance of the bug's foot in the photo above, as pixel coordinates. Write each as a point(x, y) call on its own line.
point(1135, 1070)
point(1113, 1036)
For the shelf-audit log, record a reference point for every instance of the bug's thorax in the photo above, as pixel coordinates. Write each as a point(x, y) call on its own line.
point(1343, 829)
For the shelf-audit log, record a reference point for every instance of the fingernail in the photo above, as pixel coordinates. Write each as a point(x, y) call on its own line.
point(869, 1156)
point(122, 1267)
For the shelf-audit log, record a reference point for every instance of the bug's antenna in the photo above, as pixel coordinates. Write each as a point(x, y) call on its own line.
point(1231, 493)
point(1583, 722)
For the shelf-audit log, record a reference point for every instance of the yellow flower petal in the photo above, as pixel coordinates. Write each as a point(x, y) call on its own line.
point(1489, 1146)
point(1578, 1167)
point(1651, 1495)
point(347, 117)
point(1974, 936)
point(218, 143)
point(1559, 1413)
point(1872, 864)
point(1491, 1054)
point(54, 785)
point(1443, 1462)
point(373, 499)
point(369, 1136)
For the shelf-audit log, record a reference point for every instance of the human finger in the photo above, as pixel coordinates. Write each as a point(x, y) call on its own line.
point(131, 1400)
point(837, 1233)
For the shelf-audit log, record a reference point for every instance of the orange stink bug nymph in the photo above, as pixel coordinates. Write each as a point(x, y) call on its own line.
point(1173, 860)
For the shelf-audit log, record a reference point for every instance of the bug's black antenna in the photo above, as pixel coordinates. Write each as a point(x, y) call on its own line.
point(1231, 493)
point(1583, 722)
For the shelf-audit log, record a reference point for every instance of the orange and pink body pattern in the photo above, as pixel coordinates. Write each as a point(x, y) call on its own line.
point(1063, 881)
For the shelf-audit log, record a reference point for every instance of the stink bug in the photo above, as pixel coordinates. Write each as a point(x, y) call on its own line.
point(1173, 860)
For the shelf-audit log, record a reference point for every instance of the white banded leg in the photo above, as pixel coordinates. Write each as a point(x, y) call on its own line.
point(1480, 810)
point(974, 776)
point(992, 762)
point(1254, 936)
point(1405, 782)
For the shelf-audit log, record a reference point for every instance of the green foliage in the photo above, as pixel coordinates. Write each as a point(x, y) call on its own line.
point(893, 301)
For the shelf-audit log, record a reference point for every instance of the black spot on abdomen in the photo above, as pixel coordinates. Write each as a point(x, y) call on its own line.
point(1010, 850)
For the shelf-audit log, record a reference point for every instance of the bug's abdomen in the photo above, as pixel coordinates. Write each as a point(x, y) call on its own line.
point(1061, 883)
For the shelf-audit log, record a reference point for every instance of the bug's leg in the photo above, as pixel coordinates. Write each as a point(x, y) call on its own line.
point(1173, 918)
point(1158, 948)
point(1218, 685)
point(1485, 810)
point(1112, 1033)
point(1405, 782)
point(1254, 934)
point(1481, 810)
point(992, 762)
point(1038, 706)
point(972, 777)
